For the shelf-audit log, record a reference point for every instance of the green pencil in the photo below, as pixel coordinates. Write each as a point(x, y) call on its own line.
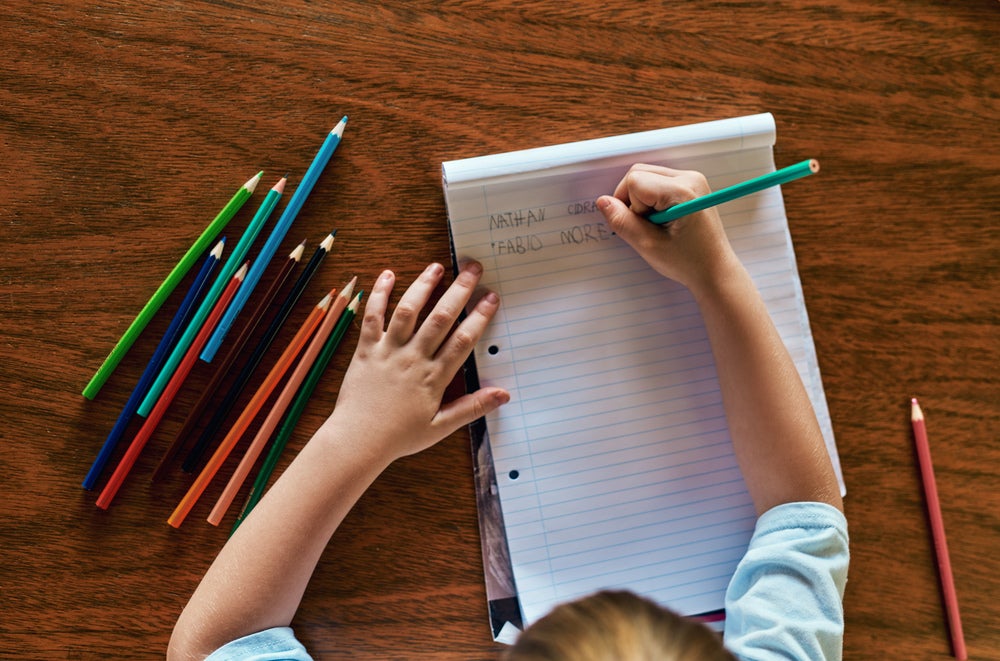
point(298, 405)
point(168, 285)
point(776, 178)
point(208, 302)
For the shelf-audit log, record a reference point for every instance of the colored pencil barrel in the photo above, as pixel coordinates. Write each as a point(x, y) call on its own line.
point(776, 178)
point(167, 287)
point(948, 593)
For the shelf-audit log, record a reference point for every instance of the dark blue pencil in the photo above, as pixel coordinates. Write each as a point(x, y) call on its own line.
point(153, 367)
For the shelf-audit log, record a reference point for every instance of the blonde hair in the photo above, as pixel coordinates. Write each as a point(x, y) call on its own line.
point(616, 626)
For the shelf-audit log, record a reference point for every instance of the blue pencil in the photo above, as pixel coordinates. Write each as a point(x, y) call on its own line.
point(180, 317)
point(234, 262)
point(281, 228)
point(723, 195)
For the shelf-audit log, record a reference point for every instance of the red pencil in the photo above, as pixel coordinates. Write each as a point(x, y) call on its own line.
point(183, 369)
point(937, 529)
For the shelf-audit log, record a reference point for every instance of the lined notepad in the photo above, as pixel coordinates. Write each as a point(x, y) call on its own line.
point(614, 467)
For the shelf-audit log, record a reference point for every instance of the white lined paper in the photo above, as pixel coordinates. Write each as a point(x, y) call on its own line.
point(613, 458)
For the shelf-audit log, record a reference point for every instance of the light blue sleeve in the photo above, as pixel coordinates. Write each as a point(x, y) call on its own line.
point(785, 600)
point(277, 644)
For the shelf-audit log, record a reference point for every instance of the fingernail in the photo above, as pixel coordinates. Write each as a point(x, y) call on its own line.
point(603, 203)
point(501, 397)
point(492, 297)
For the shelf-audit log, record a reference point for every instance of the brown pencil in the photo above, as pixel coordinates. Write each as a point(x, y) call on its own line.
point(222, 366)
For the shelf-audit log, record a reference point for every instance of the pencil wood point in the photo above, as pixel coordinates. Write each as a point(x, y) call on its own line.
point(915, 412)
point(251, 184)
point(280, 186)
point(338, 130)
point(327, 242)
point(242, 273)
point(349, 288)
point(297, 253)
point(353, 306)
point(217, 250)
point(325, 303)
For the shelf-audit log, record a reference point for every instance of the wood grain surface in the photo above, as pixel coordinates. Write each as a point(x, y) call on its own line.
point(125, 126)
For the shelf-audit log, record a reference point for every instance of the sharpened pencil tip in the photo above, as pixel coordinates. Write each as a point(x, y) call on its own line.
point(280, 186)
point(915, 412)
point(349, 288)
point(325, 303)
point(217, 250)
point(242, 273)
point(338, 130)
point(327, 243)
point(297, 253)
point(251, 184)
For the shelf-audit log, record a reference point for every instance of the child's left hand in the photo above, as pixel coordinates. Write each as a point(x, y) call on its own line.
point(391, 398)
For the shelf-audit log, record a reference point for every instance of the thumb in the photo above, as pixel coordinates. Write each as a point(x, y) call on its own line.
point(469, 408)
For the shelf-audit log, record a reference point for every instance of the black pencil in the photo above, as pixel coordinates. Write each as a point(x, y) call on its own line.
point(205, 438)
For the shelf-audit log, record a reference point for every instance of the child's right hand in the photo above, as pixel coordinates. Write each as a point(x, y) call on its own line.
point(692, 250)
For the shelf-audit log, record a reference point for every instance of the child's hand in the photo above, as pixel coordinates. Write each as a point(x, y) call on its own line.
point(690, 250)
point(391, 397)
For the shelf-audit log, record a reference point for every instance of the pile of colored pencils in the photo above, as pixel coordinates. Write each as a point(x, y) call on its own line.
point(198, 329)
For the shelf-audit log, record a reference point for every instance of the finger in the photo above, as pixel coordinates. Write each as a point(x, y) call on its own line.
point(373, 322)
point(469, 408)
point(442, 318)
point(654, 191)
point(412, 302)
point(627, 224)
point(461, 342)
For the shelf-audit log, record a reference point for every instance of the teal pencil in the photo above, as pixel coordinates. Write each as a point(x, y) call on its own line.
point(776, 178)
point(168, 285)
point(207, 303)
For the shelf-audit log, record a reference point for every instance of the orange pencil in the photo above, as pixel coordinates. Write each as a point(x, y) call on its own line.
point(937, 531)
point(174, 385)
point(284, 399)
point(252, 408)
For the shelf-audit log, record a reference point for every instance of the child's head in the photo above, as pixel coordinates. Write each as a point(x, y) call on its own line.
point(619, 626)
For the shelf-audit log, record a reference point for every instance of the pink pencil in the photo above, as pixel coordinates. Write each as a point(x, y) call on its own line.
point(173, 386)
point(937, 529)
point(249, 412)
point(281, 404)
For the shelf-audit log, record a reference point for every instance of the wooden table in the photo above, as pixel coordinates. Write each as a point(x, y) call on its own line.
point(125, 126)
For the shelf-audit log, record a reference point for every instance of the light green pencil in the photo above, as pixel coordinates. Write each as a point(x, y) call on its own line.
point(776, 178)
point(168, 285)
point(233, 263)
